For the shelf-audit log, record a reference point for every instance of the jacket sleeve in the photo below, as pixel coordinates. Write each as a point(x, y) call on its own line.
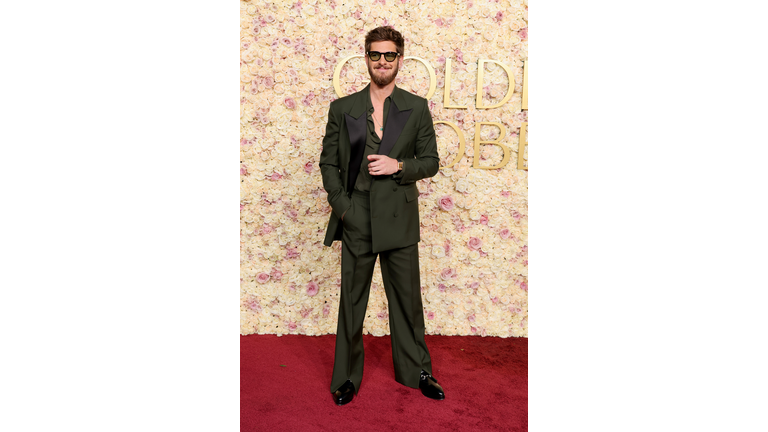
point(426, 161)
point(330, 166)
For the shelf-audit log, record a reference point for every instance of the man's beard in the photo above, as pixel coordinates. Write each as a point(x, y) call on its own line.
point(382, 81)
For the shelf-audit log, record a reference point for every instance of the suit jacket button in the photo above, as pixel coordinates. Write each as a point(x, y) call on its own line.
point(395, 214)
point(394, 189)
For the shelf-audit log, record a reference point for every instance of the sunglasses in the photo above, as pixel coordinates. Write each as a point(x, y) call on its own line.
point(389, 56)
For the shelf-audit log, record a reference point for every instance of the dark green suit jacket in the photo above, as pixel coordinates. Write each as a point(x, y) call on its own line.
point(409, 134)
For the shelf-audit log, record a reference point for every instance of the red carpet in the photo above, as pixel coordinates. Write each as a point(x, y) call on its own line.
point(285, 386)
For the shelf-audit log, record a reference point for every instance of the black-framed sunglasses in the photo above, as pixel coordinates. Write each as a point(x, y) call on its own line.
point(388, 56)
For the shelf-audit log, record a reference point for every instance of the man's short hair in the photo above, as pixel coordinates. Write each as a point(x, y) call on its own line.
point(386, 33)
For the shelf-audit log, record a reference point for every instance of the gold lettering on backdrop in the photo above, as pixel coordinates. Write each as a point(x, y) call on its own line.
point(447, 95)
point(337, 73)
point(522, 162)
point(525, 85)
point(502, 133)
point(521, 147)
point(480, 75)
point(462, 142)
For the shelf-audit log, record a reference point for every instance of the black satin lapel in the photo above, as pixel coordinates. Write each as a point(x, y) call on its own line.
point(356, 129)
point(395, 123)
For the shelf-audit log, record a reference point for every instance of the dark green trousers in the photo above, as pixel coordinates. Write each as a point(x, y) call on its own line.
point(400, 272)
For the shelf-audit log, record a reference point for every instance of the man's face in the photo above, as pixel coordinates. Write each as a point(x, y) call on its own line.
point(383, 72)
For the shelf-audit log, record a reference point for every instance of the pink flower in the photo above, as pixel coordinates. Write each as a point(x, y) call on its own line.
point(292, 253)
point(484, 219)
point(312, 289)
point(523, 33)
point(243, 170)
point(524, 286)
point(441, 287)
point(505, 233)
point(292, 325)
point(448, 273)
point(446, 203)
point(471, 318)
point(474, 243)
point(326, 309)
point(262, 278)
point(305, 311)
point(308, 167)
point(382, 315)
point(474, 285)
point(276, 274)
point(289, 102)
point(505, 194)
point(253, 305)
point(275, 177)
point(430, 315)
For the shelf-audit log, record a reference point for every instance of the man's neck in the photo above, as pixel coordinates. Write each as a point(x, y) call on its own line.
point(378, 94)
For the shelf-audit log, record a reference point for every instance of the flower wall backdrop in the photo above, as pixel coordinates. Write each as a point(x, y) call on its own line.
point(474, 259)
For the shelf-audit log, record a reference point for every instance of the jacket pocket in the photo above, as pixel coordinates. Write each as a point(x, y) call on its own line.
point(411, 194)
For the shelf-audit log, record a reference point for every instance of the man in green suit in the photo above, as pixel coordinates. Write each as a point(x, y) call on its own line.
point(378, 143)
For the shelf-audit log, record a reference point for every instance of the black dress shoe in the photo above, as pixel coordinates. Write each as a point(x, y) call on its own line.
point(429, 387)
point(344, 394)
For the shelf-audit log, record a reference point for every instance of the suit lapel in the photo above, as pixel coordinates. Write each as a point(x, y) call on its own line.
point(396, 118)
point(356, 122)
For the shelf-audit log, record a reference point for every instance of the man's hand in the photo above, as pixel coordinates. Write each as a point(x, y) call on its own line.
point(381, 165)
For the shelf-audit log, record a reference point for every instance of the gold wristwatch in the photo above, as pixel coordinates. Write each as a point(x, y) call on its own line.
point(399, 165)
